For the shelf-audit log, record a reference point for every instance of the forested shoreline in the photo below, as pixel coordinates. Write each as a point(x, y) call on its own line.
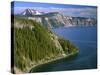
point(34, 44)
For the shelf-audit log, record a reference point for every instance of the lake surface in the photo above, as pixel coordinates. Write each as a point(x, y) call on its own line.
point(85, 38)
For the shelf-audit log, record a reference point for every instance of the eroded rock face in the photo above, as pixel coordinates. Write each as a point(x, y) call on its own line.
point(56, 19)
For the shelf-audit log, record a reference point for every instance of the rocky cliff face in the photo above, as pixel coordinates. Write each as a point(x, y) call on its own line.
point(56, 19)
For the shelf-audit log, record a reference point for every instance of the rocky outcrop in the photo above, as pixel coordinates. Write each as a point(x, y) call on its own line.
point(55, 19)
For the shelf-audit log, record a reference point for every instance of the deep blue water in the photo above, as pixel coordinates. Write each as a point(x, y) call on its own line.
point(85, 38)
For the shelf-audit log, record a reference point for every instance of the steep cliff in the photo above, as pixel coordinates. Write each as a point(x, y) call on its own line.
point(56, 19)
point(34, 44)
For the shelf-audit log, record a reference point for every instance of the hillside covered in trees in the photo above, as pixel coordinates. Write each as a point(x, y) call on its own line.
point(34, 44)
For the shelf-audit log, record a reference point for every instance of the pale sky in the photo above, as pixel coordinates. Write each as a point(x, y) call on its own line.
point(70, 10)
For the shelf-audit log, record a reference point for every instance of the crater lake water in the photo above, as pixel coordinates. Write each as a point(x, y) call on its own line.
point(85, 38)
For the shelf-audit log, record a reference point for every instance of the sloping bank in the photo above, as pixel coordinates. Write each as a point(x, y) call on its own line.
point(67, 57)
point(35, 45)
